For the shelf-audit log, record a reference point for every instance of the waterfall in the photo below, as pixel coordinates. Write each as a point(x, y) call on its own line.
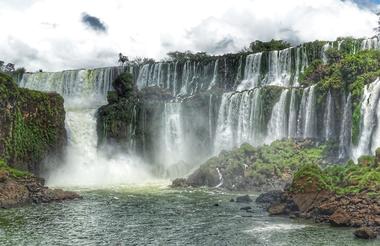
point(310, 115)
point(292, 125)
point(278, 127)
point(325, 47)
point(239, 120)
point(221, 180)
point(306, 122)
point(279, 67)
point(370, 43)
point(329, 118)
point(251, 72)
point(369, 107)
point(210, 119)
point(345, 130)
point(215, 75)
point(172, 136)
point(84, 91)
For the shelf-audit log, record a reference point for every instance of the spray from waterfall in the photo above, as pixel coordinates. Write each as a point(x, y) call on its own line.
point(84, 91)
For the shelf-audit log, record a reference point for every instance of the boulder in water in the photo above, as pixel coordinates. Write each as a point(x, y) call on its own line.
point(365, 233)
point(243, 199)
point(340, 218)
point(270, 197)
point(277, 209)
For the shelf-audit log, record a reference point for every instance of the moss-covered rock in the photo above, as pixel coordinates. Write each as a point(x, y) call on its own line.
point(340, 179)
point(32, 125)
point(262, 168)
point(124, 85)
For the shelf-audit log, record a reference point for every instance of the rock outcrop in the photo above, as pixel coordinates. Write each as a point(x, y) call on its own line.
point(340, 195)
point(256, 169)
point(32, 126)
point(19, 188)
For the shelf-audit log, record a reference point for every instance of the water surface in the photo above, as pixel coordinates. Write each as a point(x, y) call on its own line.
point(160, 216)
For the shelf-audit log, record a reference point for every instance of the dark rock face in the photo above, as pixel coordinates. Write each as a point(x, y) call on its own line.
point(32, 126)
point(347, 210)
point(270, 197)
point(255, 169)
point(244, 199)
point(365, 233)
point(179, 183)
point(28, 189)
point(124, 85)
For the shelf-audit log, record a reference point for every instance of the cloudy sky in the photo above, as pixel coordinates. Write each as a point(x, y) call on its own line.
point(55, 35)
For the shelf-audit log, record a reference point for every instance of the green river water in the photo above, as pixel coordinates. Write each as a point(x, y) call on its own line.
point(153, 215)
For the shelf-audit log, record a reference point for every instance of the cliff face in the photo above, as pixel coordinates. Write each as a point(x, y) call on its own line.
point(32, 126)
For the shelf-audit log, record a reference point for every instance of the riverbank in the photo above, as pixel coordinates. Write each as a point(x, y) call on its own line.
point(18, 188)
point(343, 196)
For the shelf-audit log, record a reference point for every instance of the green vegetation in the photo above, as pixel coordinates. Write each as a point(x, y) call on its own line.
point(260, 46)
point(12, 171)
point(342, 179)
point(277, 161)
point(344, 71)
point(31, 125)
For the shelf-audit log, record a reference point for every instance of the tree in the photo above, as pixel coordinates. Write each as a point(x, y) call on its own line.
point(10, 67)
point(1, 65)
point(259, 46)
point(123, 59)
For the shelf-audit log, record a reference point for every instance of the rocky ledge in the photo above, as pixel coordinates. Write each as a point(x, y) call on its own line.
point(259, 169)
point(345, 195)
point(19, 188)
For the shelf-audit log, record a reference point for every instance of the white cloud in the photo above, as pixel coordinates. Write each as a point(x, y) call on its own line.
point(49, 34)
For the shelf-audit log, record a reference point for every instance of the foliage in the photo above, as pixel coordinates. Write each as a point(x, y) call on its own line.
point(187, 55)
point(341, 179)
point(260, 46)
point(12, 171)
point(31, 124)
point(279, 159)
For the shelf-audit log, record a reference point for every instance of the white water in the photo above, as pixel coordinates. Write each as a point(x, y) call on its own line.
point(278, 128)
point(329, 118)
point(367, 141)
point(345, 130)
point(172, 143)
point(251, 72)
point(84, 91)
point(292, 125)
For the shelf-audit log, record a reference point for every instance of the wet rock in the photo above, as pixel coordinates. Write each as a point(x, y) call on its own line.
point(243, 199)
point(340, 218)
point(179, 183)
point(246, 208)
point(277, 209)
point(216, 205)
point(124, 85)
point(365, 233)
point(17, 192)
point(232, 200)
point(270, 197)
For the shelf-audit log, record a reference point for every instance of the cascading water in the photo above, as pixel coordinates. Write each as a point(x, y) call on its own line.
point(345, 130)
point(278, 127)
point(370, 43)
point(241, 116)
point(251, 73)
point(367, 140)
point(292, 125)
point(215, 75)
point(239, 120)
point(172, 134)
point(84, 91)
point(329, 118)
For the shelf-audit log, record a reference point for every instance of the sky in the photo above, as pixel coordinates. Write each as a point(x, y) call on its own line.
point(56, 35)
